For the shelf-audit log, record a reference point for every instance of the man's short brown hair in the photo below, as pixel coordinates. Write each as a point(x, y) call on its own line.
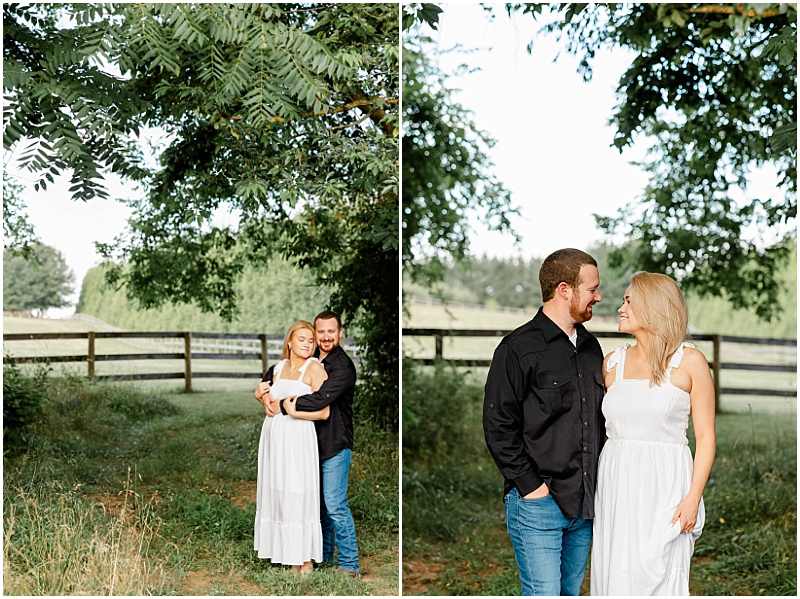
point(327, 315)
point(562, 266)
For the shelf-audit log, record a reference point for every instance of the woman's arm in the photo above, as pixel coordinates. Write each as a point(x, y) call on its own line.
point(315, 375)
point(702, 398)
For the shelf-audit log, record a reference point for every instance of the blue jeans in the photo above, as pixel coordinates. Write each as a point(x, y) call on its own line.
point(551, 549)
point(338, 528)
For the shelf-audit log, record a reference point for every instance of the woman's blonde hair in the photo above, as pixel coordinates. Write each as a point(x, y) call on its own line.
point(660, 309)
point(297, 326)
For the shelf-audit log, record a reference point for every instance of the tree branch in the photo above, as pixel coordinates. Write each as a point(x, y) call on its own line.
point(723, 9)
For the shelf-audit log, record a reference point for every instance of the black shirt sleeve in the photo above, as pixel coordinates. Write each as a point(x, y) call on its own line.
point(339, 380)
point(268, 375)
point(503, 420)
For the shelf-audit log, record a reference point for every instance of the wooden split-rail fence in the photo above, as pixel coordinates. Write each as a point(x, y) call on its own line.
point(254, 346)
point(716, 365)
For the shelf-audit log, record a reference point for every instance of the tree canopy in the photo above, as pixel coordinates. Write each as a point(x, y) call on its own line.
point(39, 281)
point(284, 115)
point(714, 88)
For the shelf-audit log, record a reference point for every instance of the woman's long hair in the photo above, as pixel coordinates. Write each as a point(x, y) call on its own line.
point(659, 306)
point(297, 326)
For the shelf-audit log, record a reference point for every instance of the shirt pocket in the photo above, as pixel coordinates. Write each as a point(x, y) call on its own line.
point(554, 390)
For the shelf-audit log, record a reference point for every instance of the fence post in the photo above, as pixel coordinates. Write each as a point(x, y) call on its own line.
point(438, 337)
point(263, 337)
point(187, 358)
point(90, 355)
point(715, 339)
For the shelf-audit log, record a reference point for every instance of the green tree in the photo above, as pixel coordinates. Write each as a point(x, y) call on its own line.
point(714, 88)
point(38, 282)
point(284, 115)
point(447, 173)
point(18, 233)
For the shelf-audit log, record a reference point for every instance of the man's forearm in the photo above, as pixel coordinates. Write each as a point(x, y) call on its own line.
point(332, 389)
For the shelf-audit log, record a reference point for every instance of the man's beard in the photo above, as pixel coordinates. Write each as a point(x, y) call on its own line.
point(576, 314)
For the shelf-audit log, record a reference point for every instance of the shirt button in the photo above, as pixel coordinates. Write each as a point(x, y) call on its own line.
point(580, 376)
point(583, 399)
point(584, 474)
point(491, 405)
point(585, 424)
point(584, 449)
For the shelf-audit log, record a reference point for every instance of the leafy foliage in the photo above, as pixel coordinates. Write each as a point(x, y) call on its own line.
point(714, 86)
point(446, 168)
point(39, 282)
point(270, 299)
point(284, 115)
point(18, 233)
point(23, 404)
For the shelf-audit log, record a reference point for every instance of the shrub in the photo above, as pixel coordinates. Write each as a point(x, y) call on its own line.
point(438, 408)
point(23, 404)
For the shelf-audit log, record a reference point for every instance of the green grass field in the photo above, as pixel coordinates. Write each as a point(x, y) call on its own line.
point(128, 490)
point(454, 536)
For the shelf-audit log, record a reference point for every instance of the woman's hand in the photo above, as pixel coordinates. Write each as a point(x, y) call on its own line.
point(261, 390)
point(687, 512)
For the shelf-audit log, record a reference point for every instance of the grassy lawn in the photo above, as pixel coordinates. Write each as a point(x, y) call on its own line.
point(454, 537)
point(128, 489)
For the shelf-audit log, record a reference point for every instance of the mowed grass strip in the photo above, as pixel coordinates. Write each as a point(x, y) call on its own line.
point(179, 471)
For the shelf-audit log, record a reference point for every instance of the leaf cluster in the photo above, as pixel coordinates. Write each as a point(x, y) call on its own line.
point(715, 88)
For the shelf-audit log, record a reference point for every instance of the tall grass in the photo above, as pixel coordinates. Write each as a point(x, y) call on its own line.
point(58, 543)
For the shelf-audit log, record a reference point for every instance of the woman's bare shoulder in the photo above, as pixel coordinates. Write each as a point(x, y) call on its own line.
point(694, 360)
point(316, 368)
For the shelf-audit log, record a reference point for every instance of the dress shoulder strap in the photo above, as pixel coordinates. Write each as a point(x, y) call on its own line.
point(276, 372)
point(617, 359)
point(302, 370)
point(676, 358)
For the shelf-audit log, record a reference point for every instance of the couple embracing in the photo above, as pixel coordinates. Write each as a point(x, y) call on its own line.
point(594, 450)
point(304, 454)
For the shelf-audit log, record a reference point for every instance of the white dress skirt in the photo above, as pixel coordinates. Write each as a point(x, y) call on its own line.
point(287, 527)
point(644, 472)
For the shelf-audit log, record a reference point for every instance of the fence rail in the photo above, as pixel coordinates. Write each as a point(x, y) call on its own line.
point(244, 352)
point(715, 364)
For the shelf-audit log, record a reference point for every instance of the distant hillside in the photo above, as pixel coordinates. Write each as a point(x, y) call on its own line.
point(270, 300)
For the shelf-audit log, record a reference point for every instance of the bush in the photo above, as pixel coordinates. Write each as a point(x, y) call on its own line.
point(23, 404)
point(438, 408)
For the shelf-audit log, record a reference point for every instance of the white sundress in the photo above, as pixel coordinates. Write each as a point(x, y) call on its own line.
point(645, 471)
point(287, 527)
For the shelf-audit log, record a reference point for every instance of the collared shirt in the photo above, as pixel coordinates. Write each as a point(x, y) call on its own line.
point(541, 413)
point(335, 433)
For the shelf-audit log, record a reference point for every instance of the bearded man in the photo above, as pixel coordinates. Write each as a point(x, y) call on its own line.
point(544, 426)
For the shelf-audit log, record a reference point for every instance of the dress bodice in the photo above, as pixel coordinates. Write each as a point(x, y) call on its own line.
point(635, 411)
point(283, 388)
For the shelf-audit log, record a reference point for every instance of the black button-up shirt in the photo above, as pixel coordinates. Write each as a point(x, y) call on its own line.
point(541, 413)
point(335, 433)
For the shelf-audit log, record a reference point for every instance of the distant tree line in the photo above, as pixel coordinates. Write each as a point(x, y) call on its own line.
point(514, 283)
point(272, 298)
